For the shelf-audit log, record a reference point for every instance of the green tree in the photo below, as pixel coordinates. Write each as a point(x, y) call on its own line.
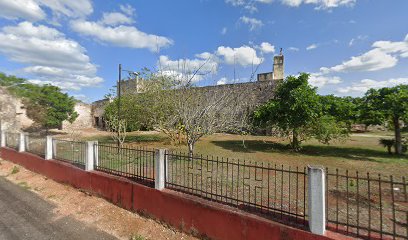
point(53, 105)
point(387, 105)
point(343, 109)
point(297, 111)
point(46, 105)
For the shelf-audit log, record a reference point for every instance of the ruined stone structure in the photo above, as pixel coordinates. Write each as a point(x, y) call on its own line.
point(84, 119)
point(260, 91)
point(13, 112)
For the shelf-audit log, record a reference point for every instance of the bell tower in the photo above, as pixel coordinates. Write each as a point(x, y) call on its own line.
point(278, 67)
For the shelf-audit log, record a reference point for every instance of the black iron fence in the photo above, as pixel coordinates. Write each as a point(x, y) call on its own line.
point(360, 205)
point(35, 145)
point(273, 191)
point(70, 151)
point(12, 140)
point(366, 205)
point(133, 163)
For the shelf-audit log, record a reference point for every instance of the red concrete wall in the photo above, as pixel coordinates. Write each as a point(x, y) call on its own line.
point(182, 211)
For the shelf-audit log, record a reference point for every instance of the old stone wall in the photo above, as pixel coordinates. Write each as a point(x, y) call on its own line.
point(13, 112)
point(84, 119)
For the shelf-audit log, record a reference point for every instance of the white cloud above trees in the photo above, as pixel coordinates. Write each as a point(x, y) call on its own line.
point(50, 56)
point(365, 84)
point(106, 31)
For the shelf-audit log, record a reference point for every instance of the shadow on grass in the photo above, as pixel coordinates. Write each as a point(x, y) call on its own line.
point(360, 154)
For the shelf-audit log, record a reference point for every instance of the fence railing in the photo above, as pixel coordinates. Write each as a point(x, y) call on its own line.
point(273, 191)
point(35, 145)
point(367, 205)
point(12, 140)
point(135, 163)
point(357, 204)
point(70, 151)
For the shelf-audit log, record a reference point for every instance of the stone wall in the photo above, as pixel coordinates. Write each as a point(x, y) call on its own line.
point(84, 119)
point(13, 112)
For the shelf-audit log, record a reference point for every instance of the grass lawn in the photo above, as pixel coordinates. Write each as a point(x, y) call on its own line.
point(361, 152)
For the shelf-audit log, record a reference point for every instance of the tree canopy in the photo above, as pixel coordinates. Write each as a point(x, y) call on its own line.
point(46, 105)
point(387, 105)
point(297, 111)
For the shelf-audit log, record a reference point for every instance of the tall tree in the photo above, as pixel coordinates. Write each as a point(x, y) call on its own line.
point(387, 105)
point(298, 113)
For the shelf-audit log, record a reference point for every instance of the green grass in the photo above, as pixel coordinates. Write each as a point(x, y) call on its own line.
point(137, 237)
point(360, 152)
point(24, 185)
point(15, 170)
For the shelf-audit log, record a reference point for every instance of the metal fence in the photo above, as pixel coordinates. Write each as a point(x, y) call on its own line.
point(35, 145)
point(137, 164)
point(12, 140)
point(360, 205)
point(364, 205)
point(70, 151)
point(273, 191)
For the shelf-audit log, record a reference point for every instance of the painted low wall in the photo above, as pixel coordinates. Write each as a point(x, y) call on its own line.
point(185, 212)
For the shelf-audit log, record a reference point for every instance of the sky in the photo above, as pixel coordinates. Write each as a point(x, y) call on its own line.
point(348, 46)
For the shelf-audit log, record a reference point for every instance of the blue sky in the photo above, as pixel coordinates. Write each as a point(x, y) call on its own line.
point(348, 46)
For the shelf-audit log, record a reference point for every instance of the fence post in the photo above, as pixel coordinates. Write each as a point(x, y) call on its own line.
point(48, 148)
point(159, 158)
point(21, 145)
point(316, 194)
point(91, 155)
point(3, 136)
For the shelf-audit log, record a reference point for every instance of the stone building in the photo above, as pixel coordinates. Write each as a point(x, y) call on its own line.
point(261, 90)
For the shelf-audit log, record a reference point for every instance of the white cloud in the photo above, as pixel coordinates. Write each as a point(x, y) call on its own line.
point(50, 56)
point(224, 31)
point(320, 80)
point(122, 36)
point(25, 9)
point(68, 8)
point(127, 9)
point(267, 48)
point(253, 23)
point(222, 81)
point(366, 84)
point(320, 4)
point(293, 49)
point(359, 38)
point(311, 47)
point(243, 55)
point(189, 69)
point(115, 18)
point(373, 60)
point(385, 54)
point(32, 9)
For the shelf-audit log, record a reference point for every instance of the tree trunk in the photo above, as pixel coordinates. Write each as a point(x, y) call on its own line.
point(389, 149)
point(398, 140)
point(295, 141)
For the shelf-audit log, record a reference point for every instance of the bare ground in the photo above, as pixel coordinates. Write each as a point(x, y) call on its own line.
point(88, 209)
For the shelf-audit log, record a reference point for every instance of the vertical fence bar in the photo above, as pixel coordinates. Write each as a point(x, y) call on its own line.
point(316, 187)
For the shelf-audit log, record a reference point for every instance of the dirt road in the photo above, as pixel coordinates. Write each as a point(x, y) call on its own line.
point(23, 215)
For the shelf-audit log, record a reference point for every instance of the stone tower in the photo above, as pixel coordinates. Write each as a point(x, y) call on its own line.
point(278, 67)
